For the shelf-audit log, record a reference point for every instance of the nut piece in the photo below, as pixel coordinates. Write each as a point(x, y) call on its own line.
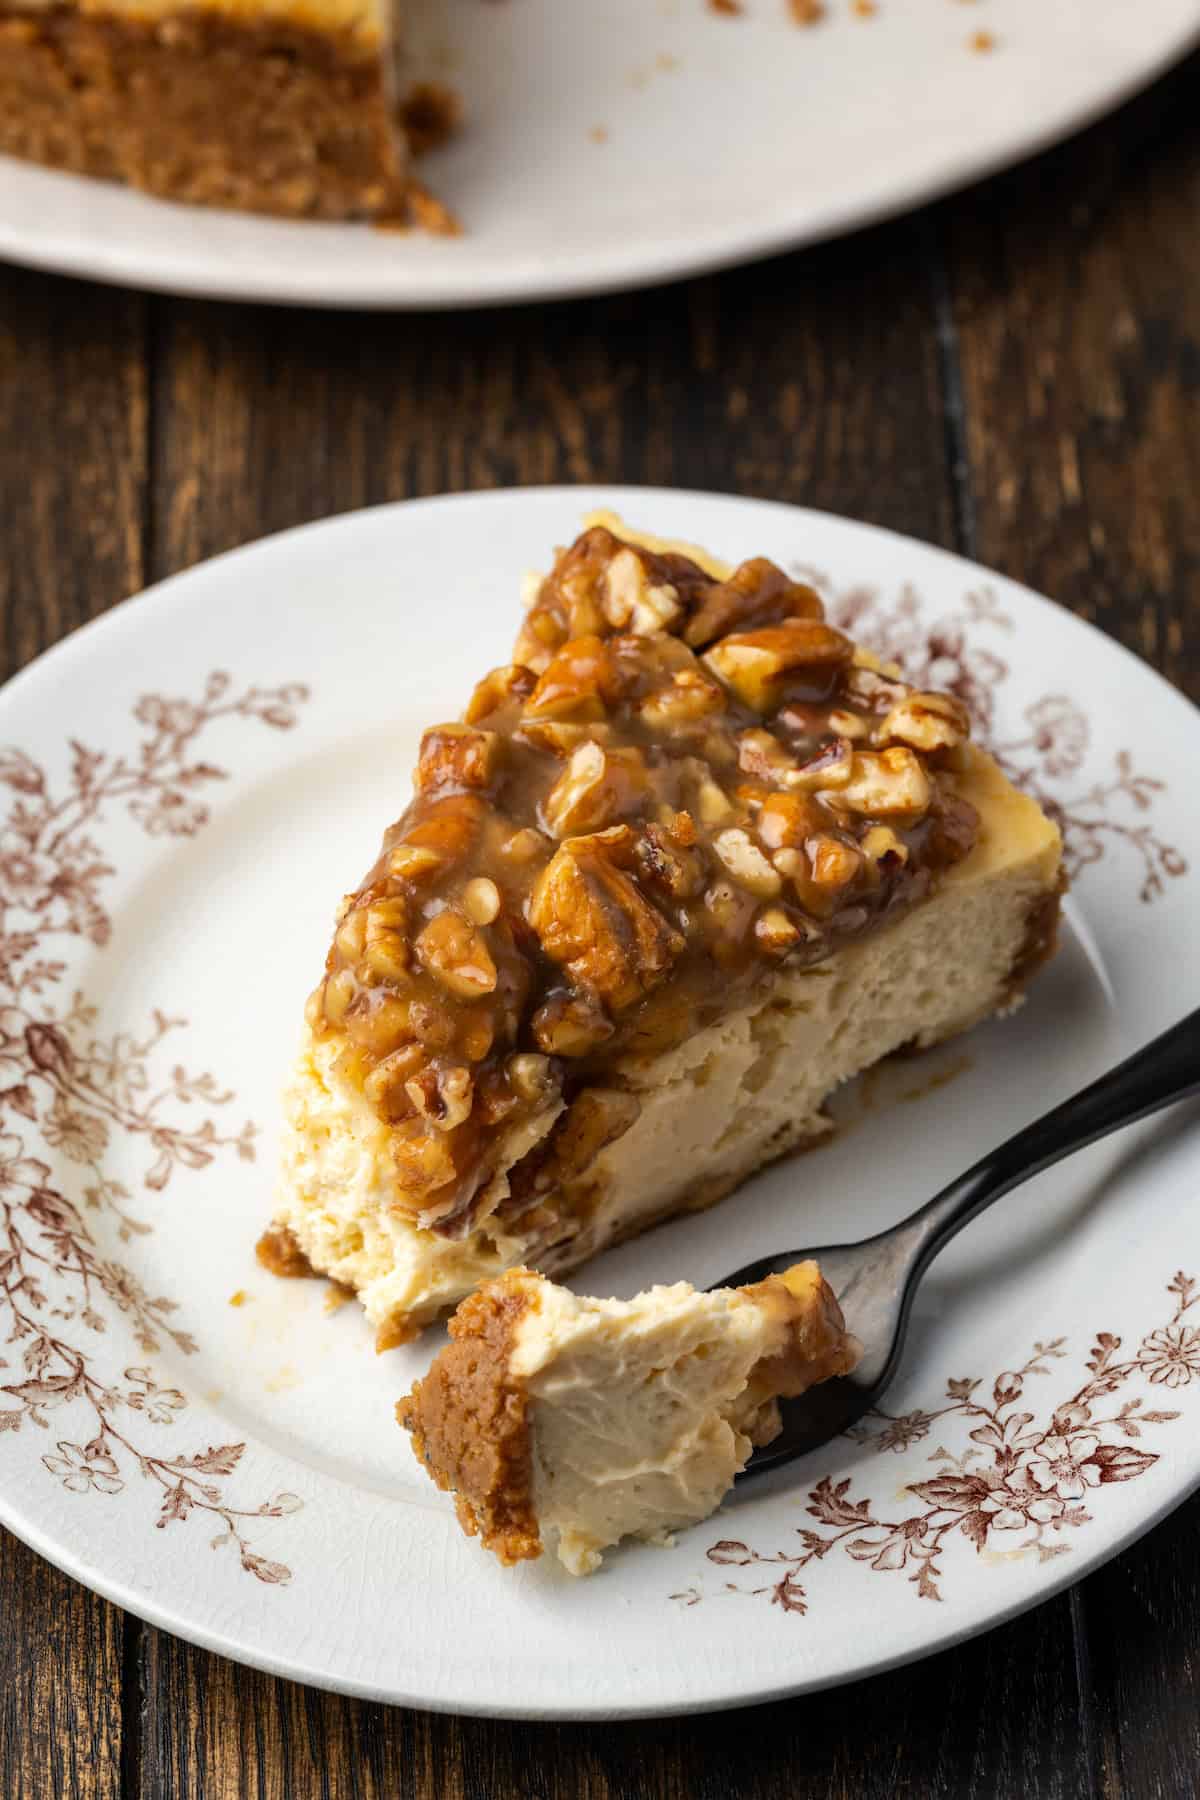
point(525, 846)
point(632, 603)
point(746, 863)
point(887, 783)
point(481, 900)
point(757, 593)
point(756, 664)
point(456, 756)
point(575, 685)
point(593, 919)
point(881, 841)
point(385, 950)
point(594, 789)
point(570, 1025)
point(385, 1084)
point(667, 860)
point(442, 1093)
point(453, 950)
point(763, 756)
point(439, 839)
point(830, 767)
point(785, 820)
point(834, 863)
point(531, 1077)
point(559, 737)
point(513, 682)
point(774, 932)
point(926, 721)
point(688, 699)
point(424, 1163)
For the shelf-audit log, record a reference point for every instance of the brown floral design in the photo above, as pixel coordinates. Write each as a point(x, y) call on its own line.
point(63, 1078)
point(1015, 1484)
point(1043, 756)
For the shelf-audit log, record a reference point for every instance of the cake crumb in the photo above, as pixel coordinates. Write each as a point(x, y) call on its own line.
point(285, 1378)
point(431, 112)
point(599, 134)
point(863, 9)
point(729, 8)
point(982, 41)
point(240, 1298)
point(336, 1296)
point(422, 211)
point(807, 12)
point(666, 62)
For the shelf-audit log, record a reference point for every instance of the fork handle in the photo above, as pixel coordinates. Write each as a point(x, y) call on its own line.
point(1166, 1069)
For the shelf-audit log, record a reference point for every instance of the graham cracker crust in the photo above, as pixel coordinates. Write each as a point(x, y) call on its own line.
point(255, 115)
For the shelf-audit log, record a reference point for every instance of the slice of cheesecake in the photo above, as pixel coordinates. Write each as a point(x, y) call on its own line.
point(688, 863)
point(285, 106)
point(557, 1420)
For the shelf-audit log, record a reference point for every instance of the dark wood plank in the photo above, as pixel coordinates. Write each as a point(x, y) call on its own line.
point(994, 1719)
point(73, 409)
point(60, 1684)
point(812, 379)
point(1076, 306)
point(1075, 301)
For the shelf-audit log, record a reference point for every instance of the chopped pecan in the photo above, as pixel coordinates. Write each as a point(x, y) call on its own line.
point(385, 1085)
point(927, 722)
point(594, 921)
point(594, 1119)
point(886, 783)
point(571, 1025)
point(452, 948)
point(513, 682)
point(632, 601)
point(667, 862)
point(746, 863)
point(575, 685)
point(757, 593)
point(757, 664)
point(786, 820)
point(596, 788)
point(441, 837)
point(442, 1093)
point(456, 756)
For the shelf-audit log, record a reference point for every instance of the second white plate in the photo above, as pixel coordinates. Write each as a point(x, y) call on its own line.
point(617, 145)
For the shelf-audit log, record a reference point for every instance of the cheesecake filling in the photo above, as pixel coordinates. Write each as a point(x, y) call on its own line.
point(572, 1423)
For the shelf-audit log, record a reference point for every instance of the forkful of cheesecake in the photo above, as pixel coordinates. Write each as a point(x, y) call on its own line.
point(575, 1422)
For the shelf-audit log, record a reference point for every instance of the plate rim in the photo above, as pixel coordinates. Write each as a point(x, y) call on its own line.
point(78, 1565)
point(203, 277)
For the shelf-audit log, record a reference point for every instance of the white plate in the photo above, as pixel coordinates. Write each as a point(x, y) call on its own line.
point(233, 1472)
point(724, 139)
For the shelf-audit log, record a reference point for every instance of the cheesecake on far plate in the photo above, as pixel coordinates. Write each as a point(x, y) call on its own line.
point(685, 865)
point(300, 107)
point(564, 1422)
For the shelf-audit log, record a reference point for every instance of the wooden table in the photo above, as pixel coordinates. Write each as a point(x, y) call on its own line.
point(1014, 373)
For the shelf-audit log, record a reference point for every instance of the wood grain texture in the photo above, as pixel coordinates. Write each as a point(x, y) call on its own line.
point(73, 405)
point(73, 409)
point(996, 1718)
point(812, 379)
point(60, 1684)
point(1076, 310)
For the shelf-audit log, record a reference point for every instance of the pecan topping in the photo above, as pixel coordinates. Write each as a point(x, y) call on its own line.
point(678, 783)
